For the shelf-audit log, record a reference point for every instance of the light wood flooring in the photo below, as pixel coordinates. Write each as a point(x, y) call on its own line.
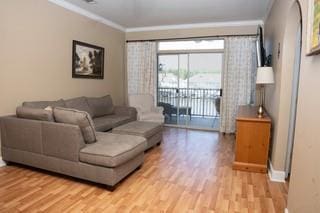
point(189, 172)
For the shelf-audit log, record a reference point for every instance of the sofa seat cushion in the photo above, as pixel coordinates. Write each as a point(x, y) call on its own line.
point(100, 106)
point(108, 122)
point(141, 128)
point(44, 104)
point(112, 150)
point(79, 103)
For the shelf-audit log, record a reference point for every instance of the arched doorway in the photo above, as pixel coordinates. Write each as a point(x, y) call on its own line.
point(292, 41)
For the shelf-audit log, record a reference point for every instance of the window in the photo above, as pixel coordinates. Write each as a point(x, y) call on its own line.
point(192, 45)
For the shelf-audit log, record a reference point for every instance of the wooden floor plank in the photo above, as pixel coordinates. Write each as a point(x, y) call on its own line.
point(190, 172)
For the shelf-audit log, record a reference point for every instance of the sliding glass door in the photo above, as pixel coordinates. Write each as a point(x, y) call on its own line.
point(172, 96)
point(205, 88)
point(189, 88)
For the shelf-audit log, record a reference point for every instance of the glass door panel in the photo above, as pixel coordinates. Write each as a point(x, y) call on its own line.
point(182, 106)
point(168, 86)
point(204, 87)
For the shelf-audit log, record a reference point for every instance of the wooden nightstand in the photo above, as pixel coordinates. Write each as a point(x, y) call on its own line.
point(252, 140)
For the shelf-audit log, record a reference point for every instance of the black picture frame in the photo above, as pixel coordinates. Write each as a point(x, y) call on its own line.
point(87, 60)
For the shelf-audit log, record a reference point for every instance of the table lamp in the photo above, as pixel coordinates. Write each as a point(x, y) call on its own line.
point(264, 76)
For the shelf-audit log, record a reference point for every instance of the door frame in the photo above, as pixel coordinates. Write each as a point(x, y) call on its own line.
point(294, 100)
point(181, 52)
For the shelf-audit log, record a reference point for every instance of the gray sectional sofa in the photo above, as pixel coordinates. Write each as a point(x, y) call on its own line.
point(105, 115)
point(62, 137)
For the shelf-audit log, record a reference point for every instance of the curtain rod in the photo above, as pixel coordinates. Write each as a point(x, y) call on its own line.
point(185, 38)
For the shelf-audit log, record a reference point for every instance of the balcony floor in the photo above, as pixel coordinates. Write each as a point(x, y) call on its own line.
point(195, 121)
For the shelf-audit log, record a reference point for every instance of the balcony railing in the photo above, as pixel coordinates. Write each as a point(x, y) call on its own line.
point(201, 102)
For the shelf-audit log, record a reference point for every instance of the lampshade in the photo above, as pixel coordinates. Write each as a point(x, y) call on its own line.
point(265, 75)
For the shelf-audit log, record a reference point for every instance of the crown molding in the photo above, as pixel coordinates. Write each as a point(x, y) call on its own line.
point(197, 25)
point(88, 14)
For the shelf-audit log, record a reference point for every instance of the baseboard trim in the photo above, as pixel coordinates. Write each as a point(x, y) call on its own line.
point(276, 175)
point(286, 210)
point(2, 163)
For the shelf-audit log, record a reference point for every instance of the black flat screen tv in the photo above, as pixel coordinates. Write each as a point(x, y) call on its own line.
point(260, 49)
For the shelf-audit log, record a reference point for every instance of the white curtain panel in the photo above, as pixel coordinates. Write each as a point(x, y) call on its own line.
point(239, 76)
point(141, 67)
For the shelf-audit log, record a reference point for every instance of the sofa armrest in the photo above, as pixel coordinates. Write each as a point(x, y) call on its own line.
point(139, 112)
point(125, 110)
point(62, 140)
point(158, 109)
point(41, 137)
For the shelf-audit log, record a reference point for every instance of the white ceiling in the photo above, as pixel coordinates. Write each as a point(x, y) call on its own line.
point(147, 13)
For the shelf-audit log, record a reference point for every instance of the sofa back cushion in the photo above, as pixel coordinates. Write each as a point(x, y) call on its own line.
point(34, 113)
point(44, 104)
point(76, 117)
point(79, 103)
point(100, 106)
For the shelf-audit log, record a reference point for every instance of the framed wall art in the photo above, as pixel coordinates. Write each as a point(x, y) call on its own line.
point(87, 60)
point(313, 40)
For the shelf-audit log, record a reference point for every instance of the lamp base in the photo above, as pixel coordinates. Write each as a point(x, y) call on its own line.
point(260, 111)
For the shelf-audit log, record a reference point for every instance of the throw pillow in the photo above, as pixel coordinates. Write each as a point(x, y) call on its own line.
point(49, 108)
point(76, 117)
